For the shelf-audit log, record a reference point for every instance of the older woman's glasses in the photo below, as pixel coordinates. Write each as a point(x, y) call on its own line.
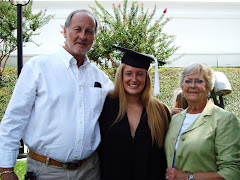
point(196, 81)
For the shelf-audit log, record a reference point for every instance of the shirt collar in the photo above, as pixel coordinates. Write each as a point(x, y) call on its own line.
point(68, 59)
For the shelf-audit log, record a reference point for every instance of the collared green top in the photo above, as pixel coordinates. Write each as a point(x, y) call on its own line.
point(210, 144)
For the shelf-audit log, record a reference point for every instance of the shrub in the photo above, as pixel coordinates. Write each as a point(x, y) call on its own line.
point(130, 28)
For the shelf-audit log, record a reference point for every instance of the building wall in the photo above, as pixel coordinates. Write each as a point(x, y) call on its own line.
point(207, 31)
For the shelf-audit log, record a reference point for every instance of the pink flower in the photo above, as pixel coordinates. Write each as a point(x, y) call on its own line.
point(142, 4)
point(62, 26)
point(119, 5)
point(165, 10)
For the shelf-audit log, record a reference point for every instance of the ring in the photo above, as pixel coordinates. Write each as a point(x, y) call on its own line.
point(166, 177)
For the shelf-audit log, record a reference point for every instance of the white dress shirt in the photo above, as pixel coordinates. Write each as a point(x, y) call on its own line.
point(54, 108)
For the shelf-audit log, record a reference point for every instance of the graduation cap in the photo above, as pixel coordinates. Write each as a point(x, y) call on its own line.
point(135, 59)
point(141, 60)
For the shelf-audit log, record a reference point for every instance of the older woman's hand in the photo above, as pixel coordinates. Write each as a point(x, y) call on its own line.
point(176, 174)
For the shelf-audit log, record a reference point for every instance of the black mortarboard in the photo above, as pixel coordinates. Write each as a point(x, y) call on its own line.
point(135, 59)
point(140, 60)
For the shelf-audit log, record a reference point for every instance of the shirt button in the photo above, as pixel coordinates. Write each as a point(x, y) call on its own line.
point(79, 140)
point(80, 105)
point(75, 157)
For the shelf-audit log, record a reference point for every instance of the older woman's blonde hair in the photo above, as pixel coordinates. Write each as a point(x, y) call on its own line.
point(157, 112)
point(195, 68)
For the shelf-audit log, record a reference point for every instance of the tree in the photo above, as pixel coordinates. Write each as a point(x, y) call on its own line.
point(130, 28)
point(8, 28)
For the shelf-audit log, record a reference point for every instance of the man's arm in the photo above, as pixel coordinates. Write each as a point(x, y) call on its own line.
point(16, 117)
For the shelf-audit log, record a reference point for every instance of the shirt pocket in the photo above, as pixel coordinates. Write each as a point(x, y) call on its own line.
point(96, 98)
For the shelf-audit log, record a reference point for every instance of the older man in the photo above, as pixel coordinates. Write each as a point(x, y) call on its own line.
point(55, 107)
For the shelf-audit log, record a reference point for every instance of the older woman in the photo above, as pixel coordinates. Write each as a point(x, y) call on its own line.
point(203, 141)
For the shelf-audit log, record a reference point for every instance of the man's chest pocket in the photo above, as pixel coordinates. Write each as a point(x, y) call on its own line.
point(96, 98)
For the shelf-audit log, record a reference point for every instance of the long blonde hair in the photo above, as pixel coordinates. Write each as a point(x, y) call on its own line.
point(157, 112)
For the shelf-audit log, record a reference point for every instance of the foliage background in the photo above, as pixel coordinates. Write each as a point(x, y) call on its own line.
point(168, 83)
point(8, 28)
point(130, 26)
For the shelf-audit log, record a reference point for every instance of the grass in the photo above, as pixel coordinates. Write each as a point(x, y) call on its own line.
point(20, 169)
point(168, 83)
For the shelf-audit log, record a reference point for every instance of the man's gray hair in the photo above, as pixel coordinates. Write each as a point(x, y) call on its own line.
point(68, 20)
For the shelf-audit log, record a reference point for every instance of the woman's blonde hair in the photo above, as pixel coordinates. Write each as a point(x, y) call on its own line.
point(157, 112)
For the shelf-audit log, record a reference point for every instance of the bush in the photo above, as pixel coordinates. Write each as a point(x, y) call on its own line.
point(168, 83)
point(133, 27)
point(7, 84)
point(8, 28)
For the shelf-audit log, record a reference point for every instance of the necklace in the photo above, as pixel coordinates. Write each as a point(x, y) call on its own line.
point(137, 122)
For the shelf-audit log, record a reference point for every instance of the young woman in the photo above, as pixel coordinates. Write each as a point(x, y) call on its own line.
point(133, 124)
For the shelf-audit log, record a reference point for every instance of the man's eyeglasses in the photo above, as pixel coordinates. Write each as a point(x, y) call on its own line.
point(196, 81)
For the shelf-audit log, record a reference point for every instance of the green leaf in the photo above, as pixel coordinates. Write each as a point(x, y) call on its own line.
point(8, 28)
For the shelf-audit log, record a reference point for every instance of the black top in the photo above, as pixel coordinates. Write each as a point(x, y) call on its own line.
point(125, 158)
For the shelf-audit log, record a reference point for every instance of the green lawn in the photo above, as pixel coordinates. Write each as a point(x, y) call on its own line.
point(20, 169)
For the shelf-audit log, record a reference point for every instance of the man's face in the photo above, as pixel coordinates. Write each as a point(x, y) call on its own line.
point(80, 35)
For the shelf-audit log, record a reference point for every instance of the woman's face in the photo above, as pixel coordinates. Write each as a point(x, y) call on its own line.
point(194, 88)
point(134, 80)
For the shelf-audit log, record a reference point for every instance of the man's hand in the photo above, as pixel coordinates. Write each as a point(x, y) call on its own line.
point(8, 175)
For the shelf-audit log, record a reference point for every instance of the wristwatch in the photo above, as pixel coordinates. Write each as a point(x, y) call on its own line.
point(191, 176)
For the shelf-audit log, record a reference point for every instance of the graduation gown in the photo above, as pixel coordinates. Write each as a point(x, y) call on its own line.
point(123, 157)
